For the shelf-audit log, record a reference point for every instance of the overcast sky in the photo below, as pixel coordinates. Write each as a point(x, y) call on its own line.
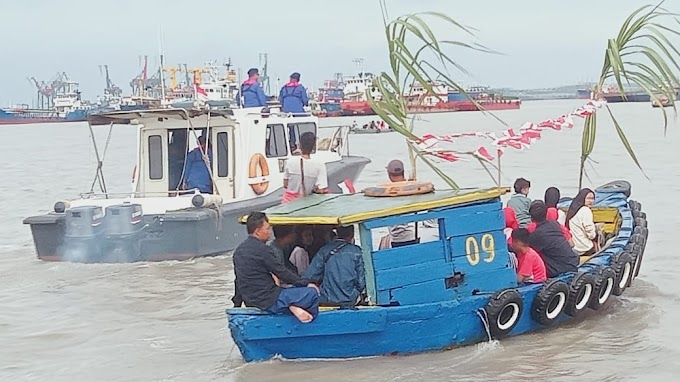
point(546, 43)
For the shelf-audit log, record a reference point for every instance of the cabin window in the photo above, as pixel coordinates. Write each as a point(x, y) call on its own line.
point(407, 234)
point(295, 131)
point(222, 155)
point(276, 141)
point(155, 157)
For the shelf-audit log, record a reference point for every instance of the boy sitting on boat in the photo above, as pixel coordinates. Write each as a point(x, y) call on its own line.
point(254, 265)
point(530, 266)
point(520, 202)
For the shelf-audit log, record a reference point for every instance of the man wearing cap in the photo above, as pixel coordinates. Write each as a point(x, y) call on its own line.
point(252, 93)
point(407, 233)
point(293, 96)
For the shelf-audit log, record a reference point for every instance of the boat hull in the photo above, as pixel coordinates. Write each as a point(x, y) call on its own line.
point(633, 97)
point(175, 235)
point(386, 330)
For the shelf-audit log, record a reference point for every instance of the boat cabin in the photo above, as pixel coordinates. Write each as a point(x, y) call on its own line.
point(249, 149)
point(465, 255)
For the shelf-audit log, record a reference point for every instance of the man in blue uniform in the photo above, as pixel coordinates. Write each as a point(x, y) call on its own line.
point(293, 96)
point(251, 91)
point(196, 172)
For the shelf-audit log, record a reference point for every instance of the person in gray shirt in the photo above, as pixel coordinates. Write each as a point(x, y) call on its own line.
point(520, 202)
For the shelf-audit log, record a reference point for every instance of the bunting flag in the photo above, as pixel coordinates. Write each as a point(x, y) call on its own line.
point(518, 139)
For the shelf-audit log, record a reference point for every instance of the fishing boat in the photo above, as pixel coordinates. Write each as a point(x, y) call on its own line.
point(457, 289)
point(158, 219)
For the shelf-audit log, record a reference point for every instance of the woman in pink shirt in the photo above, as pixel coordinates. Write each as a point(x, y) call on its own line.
point(530, 268)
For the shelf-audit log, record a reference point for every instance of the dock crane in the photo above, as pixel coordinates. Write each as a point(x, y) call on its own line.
point(110, 88)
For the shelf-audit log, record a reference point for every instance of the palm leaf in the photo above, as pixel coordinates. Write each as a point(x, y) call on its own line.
point(640, 55)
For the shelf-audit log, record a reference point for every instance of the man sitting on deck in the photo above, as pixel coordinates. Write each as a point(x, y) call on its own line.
point(255, 265)
point(339, 268)
point(549, 241)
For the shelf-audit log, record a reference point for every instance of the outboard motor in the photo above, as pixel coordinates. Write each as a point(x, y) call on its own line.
point(82, 234)
point(124, 231)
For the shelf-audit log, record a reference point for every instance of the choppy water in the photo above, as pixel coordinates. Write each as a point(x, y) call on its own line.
point(166, 322)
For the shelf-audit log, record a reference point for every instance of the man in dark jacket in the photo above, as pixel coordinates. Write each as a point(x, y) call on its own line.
point(251, 91)
point(293, 96)
point(256, 267)
point(549, 241)
point(339, 268)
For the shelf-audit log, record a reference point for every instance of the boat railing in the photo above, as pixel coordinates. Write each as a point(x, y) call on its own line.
point(136, 194)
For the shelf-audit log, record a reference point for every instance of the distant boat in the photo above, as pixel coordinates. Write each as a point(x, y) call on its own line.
point(663, 102)
point(583, 93)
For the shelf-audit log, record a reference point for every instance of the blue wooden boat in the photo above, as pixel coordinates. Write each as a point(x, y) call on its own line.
point(456, 290)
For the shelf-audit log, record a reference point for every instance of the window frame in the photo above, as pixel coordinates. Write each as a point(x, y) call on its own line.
point(271, 131)
point(153, 170)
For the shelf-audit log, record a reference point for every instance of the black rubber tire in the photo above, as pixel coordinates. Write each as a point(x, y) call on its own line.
point(580, 293)
point(643, 214)
point(622, 265)
point(638, 239)
point(641, 222)
point(550, 302)
point(604, 284)
point(502, 320)
point(636, 214)
point(635, 205)
point(615, 186)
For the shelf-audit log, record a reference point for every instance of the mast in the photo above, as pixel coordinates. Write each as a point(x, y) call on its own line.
point(160, 68)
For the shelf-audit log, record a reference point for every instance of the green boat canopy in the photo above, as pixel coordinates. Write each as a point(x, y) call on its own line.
point(352, 208)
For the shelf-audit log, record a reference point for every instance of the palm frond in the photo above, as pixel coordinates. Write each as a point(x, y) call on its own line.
point(417, 56)
point(640, 55)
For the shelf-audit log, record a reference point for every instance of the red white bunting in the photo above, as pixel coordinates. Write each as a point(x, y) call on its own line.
point(519, 139)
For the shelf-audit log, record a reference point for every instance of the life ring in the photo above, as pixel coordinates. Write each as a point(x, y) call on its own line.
point(604, 284)
point(622, 265)
point(503, 312)
point(405, 188)
point(549, 302)
point(258, 171)
point(580, 292)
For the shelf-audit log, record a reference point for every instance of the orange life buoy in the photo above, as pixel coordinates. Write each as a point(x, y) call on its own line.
point(405, 188)
point(258, 162)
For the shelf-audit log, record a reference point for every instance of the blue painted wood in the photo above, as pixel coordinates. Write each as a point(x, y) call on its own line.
point(360, 321)
point(469, 221)
point(409, 255)
point(412, 274)
point(366, 245)
point(422, 293)
point(397, 329)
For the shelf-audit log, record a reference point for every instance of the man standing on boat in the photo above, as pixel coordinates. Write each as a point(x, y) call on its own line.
point(304, 175)
point(255, 267)
point(196, 171)
point(293, 96)
point(251, 91)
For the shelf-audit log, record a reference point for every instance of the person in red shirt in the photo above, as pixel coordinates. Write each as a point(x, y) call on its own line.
point(530, 268)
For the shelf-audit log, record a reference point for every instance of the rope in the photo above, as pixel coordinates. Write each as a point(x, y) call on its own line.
point(99, 173)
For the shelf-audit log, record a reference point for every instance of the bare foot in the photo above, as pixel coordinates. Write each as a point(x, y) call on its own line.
point(301, 314)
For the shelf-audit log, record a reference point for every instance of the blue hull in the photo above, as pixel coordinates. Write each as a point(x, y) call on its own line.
point(374, 331)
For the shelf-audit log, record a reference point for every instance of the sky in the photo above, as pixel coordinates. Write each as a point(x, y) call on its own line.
point(545, 43)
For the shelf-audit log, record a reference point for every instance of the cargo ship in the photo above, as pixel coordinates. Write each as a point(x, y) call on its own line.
point(23, 115)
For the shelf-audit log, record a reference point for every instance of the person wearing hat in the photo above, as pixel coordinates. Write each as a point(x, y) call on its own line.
point(293, 96)
point(251, 91)
point(407, 233)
